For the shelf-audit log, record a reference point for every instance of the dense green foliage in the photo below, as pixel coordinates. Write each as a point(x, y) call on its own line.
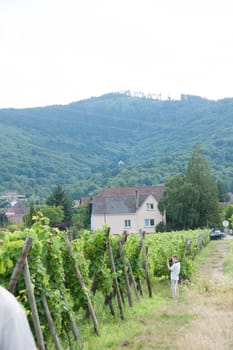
point(60, 212)
point(55, 214)
point(227, 214)
point(59, 198)
point(53, 271)
point(191, 200)
point(113, 140)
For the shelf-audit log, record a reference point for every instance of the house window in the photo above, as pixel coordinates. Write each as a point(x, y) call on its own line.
point(149, 222)
point(127, 223)
point(149, 206)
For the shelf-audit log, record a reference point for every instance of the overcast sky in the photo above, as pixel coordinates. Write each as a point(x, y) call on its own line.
point(59, 51)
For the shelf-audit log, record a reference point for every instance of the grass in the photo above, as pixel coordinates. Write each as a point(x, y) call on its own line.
point(228, 263)
point(200, 319)
point(147, 323)
point(211, 298)
point(116, 334)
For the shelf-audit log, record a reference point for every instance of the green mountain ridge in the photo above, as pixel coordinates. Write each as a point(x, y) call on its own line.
point(80, 145)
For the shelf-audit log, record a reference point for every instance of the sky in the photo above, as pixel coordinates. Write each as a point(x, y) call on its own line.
point(60, 51)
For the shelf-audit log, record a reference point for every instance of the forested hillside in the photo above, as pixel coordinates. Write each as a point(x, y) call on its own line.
point(112, 140)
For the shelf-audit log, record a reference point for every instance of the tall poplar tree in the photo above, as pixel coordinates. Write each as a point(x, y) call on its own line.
point(191, 200)
point(198, 174)
point(179, 202)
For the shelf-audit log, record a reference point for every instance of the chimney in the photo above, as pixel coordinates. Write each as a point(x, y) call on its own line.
point(137, 199)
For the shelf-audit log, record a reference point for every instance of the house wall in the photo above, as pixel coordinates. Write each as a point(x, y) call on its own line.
point(152, 214)
point(115, 222)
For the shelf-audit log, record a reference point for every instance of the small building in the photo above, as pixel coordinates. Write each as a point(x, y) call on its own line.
point(16, 212)
point(12, 196)
point(82, 202)
point(127, 209)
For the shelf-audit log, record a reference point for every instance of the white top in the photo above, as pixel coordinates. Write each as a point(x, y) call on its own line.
point(15, 332)
point(175, 271)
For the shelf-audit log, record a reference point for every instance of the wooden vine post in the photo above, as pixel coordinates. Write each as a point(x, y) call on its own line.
point(31, 298)
point(20, 264)
point(74, 328)
point(83, 286)
point(113, 267)
point(133, 279)
point(145, 264)
point(122, 257)
point(19, 267)
point(127, 262)
point(51, 324)
point(94, 284)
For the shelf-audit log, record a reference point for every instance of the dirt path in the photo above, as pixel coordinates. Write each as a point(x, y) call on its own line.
point(214, 268)
point(210, 298)
point(202, 318)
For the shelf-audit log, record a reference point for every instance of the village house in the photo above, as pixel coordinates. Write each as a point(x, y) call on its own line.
point(128, 209)
point(16, 212)
point(12, 196)
point(15, 206)
point(82, 202)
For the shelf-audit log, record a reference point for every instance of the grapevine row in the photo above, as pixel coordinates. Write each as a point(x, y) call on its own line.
point(71, 274)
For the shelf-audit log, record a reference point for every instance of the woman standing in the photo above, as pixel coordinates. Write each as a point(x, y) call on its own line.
point(174, 267)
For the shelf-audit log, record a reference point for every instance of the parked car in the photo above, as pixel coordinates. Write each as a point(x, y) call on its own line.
point(217, 234)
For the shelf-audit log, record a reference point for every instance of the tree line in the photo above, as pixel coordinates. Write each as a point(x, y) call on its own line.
point(80, 145)
point(191, 200)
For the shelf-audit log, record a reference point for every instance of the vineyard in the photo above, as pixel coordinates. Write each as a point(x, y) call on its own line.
point(62, 280)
